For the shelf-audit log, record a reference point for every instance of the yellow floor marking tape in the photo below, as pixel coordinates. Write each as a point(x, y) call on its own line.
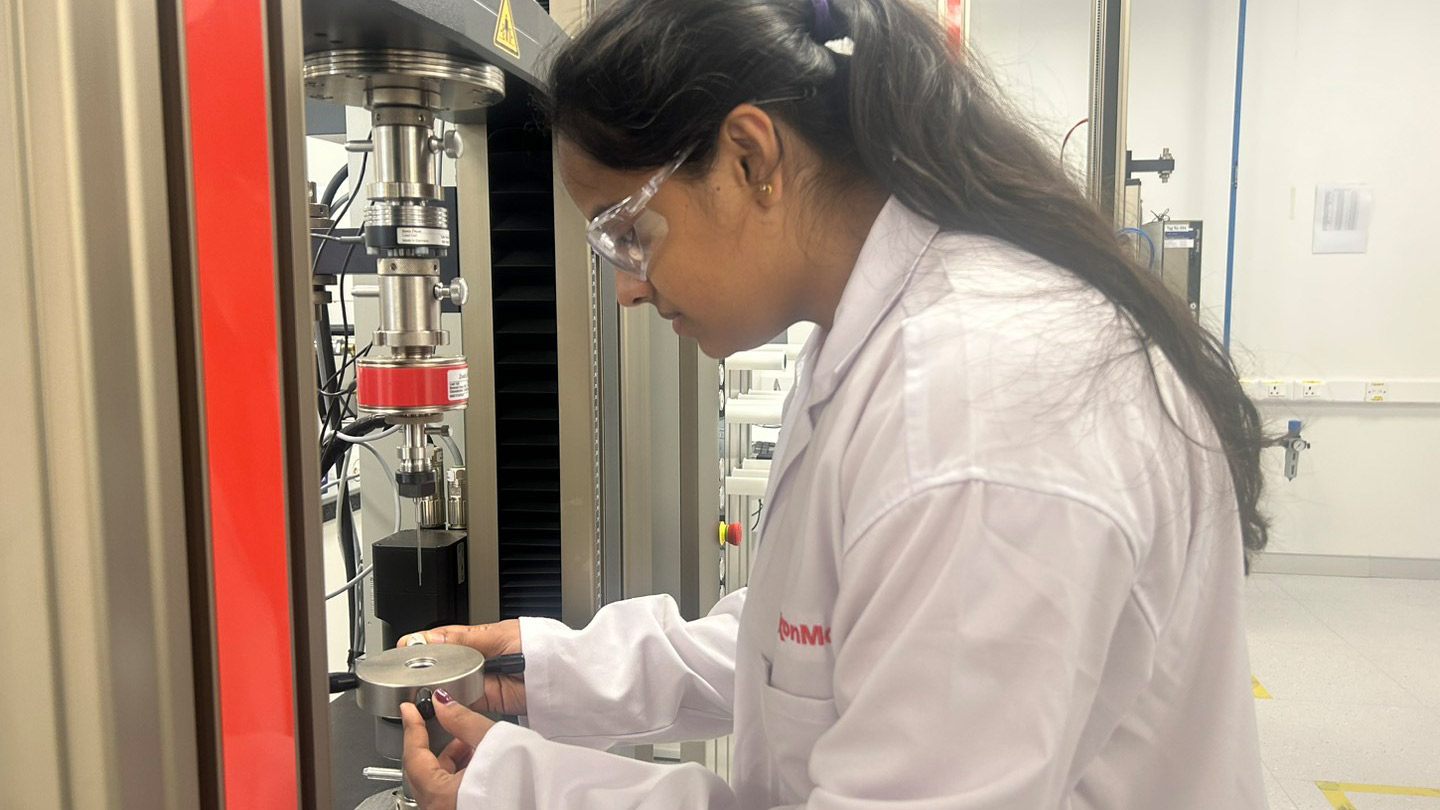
point(1259, 690)
point(1335, 792)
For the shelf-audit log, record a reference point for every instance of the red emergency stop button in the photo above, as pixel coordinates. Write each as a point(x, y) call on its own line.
point(734, 533)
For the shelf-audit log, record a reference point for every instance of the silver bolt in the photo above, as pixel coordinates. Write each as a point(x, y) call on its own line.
point(457, 293)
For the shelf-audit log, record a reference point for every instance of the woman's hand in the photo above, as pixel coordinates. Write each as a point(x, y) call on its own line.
point(435, 781)
point(504, 694)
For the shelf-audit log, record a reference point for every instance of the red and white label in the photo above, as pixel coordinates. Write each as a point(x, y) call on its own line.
point(807, 635)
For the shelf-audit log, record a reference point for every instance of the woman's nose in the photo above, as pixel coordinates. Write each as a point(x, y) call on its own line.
point(631, 291)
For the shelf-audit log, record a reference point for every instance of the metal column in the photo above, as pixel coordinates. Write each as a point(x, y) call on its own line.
point(1109, 101)
point(477, 328)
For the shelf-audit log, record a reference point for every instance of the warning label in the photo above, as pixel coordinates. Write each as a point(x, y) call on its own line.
point(507, 38)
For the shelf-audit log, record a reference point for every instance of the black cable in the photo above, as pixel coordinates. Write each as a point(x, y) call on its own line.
point(345, 366)
point(325, 353)
point(333, 450)
point(335, 223)
point(336, 410)
point(340, 288)
point(347, 404)
point(346, 394)
point(341, 175)
point(332, 454)
point(341, 407)
point(347, 552)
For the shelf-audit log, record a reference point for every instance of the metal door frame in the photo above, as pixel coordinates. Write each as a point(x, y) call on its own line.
point(96, 588)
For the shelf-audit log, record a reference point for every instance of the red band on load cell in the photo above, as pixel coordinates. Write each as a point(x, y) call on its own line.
point(414, 386)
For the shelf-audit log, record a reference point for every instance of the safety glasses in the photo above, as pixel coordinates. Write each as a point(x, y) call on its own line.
point(628, 233)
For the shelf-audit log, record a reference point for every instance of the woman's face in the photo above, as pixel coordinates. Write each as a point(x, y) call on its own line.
point(723, 274)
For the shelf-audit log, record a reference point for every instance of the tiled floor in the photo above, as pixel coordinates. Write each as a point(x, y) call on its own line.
point(1353, 670)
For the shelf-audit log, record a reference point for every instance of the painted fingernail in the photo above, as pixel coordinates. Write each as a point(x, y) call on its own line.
point(444, 697)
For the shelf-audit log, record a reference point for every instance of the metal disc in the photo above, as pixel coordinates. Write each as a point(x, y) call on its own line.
point(395, 676)
point(392, 799)
point(346, 76)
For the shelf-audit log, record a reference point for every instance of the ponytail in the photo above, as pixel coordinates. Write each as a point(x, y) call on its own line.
point(647, 79)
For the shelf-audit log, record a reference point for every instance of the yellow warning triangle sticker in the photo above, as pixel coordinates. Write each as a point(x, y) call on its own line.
point(507, 38)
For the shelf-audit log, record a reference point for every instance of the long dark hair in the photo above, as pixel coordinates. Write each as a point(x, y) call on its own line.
point(647, 79)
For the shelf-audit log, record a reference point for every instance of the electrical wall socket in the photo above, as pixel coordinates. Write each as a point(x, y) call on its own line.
point(1312, 389)
point(1377, 391)
point(1275, 389)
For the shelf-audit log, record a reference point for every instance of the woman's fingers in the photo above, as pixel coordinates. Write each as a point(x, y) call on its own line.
point(457, 718)
point(491, 640)
point(435, 787)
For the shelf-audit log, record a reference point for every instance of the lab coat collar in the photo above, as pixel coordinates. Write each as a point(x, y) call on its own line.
point(886, 262)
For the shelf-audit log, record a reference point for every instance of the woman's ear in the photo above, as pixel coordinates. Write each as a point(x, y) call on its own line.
point(750, 142)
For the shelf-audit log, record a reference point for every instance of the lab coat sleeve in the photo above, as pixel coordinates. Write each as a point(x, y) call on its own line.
point(516, 769)
point(637, 674)
point(973, 625)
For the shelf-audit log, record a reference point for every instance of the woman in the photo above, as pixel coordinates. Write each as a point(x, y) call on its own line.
point(1003, 558)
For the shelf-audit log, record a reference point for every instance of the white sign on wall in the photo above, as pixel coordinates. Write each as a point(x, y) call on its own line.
point(1342, 219)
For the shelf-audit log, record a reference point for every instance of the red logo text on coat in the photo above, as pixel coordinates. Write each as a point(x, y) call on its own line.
point(810, 635)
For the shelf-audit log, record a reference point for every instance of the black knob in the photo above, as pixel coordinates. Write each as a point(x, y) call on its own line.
point(425, 704)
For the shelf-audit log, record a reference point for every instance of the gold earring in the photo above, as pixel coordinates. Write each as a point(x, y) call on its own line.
point(766, 188)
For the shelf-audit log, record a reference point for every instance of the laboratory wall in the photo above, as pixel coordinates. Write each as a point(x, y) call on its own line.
point(1334, 93)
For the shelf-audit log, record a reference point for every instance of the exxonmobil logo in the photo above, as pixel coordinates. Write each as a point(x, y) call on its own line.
point(810, 635)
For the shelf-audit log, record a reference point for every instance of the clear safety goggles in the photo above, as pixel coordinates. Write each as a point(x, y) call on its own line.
point(628, 233)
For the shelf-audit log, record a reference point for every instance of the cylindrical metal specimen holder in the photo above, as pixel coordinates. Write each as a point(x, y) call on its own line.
point(396, 676)
point(411, 675)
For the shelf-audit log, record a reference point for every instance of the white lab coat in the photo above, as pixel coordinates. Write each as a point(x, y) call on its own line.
point(993, 574)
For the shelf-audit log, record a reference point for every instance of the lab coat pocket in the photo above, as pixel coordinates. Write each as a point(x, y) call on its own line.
point(792, 725)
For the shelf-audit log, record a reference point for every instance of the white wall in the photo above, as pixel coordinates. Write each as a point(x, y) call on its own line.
point(1039, 53)
point(1334, 92)
point(1343, 92)
point(322, 159)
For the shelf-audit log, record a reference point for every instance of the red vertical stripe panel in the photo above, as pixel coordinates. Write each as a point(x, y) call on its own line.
point(955, 23)
point(236, 253)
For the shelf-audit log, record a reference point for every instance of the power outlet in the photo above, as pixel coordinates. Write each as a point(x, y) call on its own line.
point(1312, 389)
point(1377, 391)
point(1275, 389)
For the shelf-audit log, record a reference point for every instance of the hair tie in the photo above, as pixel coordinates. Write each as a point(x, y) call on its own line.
point(824, 29)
